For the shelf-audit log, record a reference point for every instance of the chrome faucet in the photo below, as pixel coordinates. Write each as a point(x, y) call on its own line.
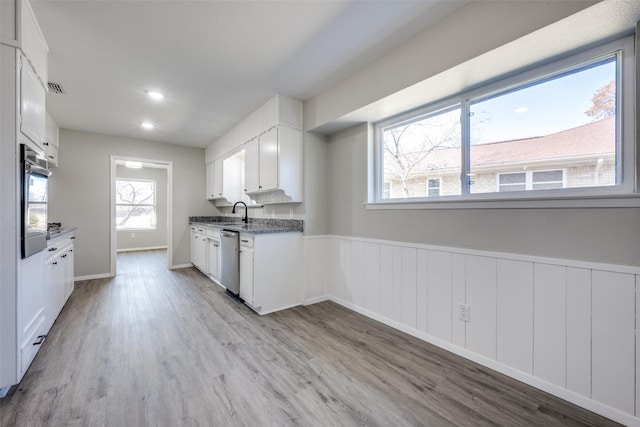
point(245, 218)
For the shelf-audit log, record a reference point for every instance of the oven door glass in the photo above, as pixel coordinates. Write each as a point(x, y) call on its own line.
point(36, 215)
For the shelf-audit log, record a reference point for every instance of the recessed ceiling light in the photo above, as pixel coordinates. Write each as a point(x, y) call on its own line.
point(147, 125)
point(521, 110)
point(155, 95)
point(133, 165)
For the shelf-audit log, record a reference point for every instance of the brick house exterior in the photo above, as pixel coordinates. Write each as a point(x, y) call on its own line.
point(579, 157)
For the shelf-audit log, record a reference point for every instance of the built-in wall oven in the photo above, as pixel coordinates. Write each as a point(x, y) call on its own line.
point(34, 202)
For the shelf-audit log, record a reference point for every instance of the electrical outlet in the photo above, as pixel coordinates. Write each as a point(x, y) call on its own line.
point(464, 312)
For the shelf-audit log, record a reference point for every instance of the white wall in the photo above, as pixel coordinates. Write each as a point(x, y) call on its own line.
point(80, 192)
point(141, 239)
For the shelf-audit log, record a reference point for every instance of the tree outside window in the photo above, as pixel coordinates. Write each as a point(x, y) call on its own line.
point(135, 204)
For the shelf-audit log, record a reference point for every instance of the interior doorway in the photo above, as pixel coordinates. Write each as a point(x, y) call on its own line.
point(141, 207)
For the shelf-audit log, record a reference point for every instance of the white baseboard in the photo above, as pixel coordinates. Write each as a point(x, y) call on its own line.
point(177, 266)
point(315, 300)
point(150, 248)
point(92, 277)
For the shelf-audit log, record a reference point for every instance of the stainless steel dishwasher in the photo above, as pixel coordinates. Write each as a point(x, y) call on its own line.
point(230, 260)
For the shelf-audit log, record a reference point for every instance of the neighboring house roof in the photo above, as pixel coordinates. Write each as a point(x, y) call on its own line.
point(592, 139)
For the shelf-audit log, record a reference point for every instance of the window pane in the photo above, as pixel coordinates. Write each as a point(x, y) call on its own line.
point(135, 217)
point(566, 122)
point(413, 151)
point(512, 178)
point(135, 192)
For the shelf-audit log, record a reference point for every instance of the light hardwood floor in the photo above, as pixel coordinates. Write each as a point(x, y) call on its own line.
point(154, 347)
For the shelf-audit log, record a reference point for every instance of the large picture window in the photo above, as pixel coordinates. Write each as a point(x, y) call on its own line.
point(555, 131)
point(135, 204)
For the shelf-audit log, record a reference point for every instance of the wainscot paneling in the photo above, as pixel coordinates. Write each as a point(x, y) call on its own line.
point(567, 327)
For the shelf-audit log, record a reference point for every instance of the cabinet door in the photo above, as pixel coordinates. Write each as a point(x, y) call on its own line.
point(251, 167)
point(51, 136)
point(246, 276)
point(217, 178)
point(269, 160)
point(32, 106)
point(210, 172)
point(194, 246)
point(213, 255)
point(69, 273)
point(31, 309)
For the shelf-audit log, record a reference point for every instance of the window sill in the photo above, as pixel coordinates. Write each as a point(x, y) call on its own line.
point(136, 230)
point(611, 201)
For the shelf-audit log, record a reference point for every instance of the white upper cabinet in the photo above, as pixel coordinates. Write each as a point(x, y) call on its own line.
point(33, 44)
point(51, 138)
point(279, 166)
point(210, 181)
point(32, 107)
point(268, 160)
point(251, 162)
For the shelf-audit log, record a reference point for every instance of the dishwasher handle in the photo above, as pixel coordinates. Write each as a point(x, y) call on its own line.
point(228, 233)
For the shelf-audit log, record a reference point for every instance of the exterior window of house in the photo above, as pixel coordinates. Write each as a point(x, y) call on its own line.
point(531, 180)
point(433, 187)
point(563, 126)
point(135, 204)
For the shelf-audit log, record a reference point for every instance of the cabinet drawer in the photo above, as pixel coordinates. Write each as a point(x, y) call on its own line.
point(32, 343)
point(246, 241)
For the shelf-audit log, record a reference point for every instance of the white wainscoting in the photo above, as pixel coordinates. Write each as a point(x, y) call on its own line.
point(566, 327)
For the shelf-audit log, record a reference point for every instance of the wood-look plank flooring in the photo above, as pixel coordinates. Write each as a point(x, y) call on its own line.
point(154, 347)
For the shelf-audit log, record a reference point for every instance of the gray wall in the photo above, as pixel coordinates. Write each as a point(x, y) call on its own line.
point(609, 235)
point(140, 239)
point(80, 192)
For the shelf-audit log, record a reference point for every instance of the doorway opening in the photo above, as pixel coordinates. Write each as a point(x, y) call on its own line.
point(141, 211)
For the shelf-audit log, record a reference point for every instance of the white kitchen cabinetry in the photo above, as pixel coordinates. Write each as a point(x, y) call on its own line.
point(59, 282)
point(246, 269)
point(214, 180)
point(279, 165)
point(213, 253)
point(199, 248)
point(32, 107)
point(51, 138)
point(33, 43)
point(270, 273)
point(209, 185)
point(251, 165)
point(32, 322)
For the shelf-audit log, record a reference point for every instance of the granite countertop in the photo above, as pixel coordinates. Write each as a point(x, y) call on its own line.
point(60, 232)
point(255, 225)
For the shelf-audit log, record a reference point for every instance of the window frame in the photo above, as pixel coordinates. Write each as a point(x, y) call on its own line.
point(154, 204)
point(625, 193)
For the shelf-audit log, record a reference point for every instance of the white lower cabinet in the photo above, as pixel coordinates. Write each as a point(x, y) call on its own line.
point(213, 253)
point(32, 322)
point(46, 282)
point(199, 248)
point(270, 274)
point(246, 270)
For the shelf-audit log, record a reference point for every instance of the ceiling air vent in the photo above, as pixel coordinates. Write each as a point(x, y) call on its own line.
point(55, 88)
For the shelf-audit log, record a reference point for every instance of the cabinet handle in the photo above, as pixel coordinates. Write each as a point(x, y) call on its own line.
point(55, 263)
point(64, 256)
point(51, 157)
point(72, 237)
point(245, 241)
point(259, 186)
point(40, 340)
point(53, 249)
point(45, 143)
point(70, 250)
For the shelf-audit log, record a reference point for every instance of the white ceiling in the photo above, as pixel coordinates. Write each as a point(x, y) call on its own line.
point(215, 61)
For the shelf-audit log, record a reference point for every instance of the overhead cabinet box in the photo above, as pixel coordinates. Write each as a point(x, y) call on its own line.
point(273, 162)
